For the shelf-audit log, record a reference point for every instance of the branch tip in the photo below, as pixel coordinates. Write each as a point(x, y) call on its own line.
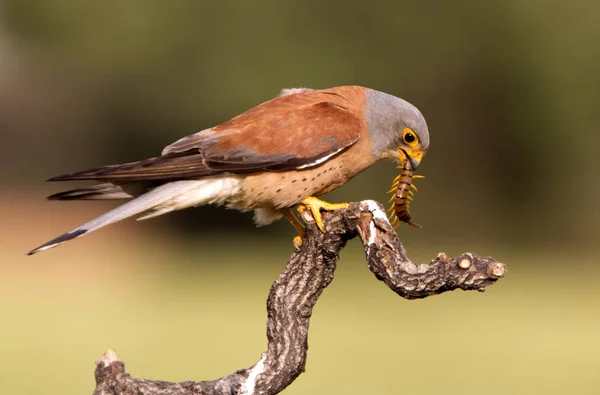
point(497, 269)
point(108, 357)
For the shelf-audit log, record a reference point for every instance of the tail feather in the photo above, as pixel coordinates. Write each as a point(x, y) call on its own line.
point(107, 191)
point(94, 192)
point(145, 202)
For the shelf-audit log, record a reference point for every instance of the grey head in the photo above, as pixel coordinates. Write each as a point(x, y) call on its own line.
point(394, 125)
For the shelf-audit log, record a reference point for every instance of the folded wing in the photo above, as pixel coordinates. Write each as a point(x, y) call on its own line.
point(290, 132)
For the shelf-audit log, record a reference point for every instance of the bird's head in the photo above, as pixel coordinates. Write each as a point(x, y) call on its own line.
point(396, 127)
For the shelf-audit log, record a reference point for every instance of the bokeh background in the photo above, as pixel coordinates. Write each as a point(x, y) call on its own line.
point(511, 93)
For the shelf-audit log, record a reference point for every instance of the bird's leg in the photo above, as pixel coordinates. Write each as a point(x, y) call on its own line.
point(287, 212)
point(315, 206)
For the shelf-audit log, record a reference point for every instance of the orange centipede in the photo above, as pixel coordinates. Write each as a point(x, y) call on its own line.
point(403, 195)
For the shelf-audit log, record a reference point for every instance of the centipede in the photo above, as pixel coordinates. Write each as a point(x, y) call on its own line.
point(403, 191)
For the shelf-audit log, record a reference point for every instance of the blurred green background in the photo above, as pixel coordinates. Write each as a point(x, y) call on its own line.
point(511, 94)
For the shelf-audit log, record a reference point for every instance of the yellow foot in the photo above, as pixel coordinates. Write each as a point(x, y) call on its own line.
point(315, 206)
point(287, 212)
point(298, 242)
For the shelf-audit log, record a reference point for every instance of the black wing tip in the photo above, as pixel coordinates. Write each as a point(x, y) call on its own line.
point(62, 177)
point(68, 195)
point(57, 196)
point(89, 174)
point(58, 240)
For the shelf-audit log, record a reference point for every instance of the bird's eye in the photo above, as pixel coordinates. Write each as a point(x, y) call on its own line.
point(409, 137)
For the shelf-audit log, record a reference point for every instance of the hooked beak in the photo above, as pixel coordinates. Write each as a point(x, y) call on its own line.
point(414, 156)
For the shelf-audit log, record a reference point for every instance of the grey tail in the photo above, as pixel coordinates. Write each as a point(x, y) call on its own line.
point(145, 202)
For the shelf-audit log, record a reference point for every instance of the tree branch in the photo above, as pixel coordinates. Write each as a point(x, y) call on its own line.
point(294, 294)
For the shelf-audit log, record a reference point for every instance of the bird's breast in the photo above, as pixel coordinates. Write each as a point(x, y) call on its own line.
point(288, 188)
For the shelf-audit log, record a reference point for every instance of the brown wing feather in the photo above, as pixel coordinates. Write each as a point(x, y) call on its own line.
point(305, 125)
point(284, 133)
point(172, 166)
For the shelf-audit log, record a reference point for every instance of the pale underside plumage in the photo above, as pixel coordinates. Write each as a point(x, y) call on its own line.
point(210, 190)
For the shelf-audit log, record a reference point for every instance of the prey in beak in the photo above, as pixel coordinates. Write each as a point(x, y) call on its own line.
point(403, 188)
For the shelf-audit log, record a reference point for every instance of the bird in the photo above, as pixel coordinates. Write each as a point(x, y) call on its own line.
point(281, 154)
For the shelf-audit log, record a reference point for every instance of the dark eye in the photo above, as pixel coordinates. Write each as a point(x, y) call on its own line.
point(410, 138)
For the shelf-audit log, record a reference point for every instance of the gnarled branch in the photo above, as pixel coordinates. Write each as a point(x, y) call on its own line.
point(294, 294)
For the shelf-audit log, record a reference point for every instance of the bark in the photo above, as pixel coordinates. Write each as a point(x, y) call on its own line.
point(294, 294)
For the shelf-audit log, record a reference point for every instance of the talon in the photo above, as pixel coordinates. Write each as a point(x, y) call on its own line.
point(315, 206)
point(287, 212)
point(297, 242)
point(316, 213)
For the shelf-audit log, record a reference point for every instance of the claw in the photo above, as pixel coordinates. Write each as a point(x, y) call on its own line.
point(287, 212)
point(315, 206)
point(297, 242)
point(316, 213)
